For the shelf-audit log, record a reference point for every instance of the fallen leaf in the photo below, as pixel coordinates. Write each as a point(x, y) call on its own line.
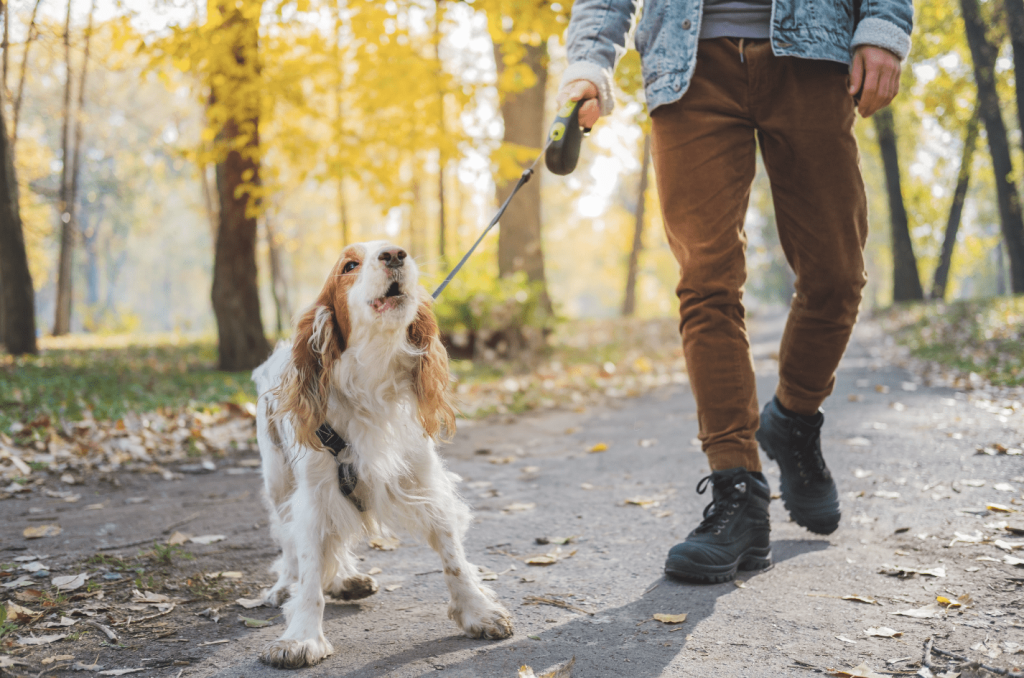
point(883, 494)
point(904, 572)
point(881, 388)
point(1011, 560)
point(930, 611)
point(226, 575)
point(254, 623)
point(56, 658)
point(642, 501)
point(670, 618)
point(374, 570)
point(972, 483)
point(563, 671)
point(556, 540)
point(42, 640)
point(208, 539)
point(858, 441)
point(862, 671)
point(999, 508)
point(118, 672)
point(178, 538)
point(17, 613)
point(947, 603)
point(149, 597)
point(861, 599)
point(502, 460)
point(530, 469)
point(10, 662)
point(586, 486)
point(384, 543)
point(79, 666)
point(1004, 487)
point(541, 560)
point(70, 582)
point(392, 587)
point(520, 506)
point(846, 640)
point(600, 447)
point(249, 603)
point(882, 632)
point(41, 531)
point(648, 442)
point(212, 613)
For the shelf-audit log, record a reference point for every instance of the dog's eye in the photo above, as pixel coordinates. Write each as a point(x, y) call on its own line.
point(350, 266)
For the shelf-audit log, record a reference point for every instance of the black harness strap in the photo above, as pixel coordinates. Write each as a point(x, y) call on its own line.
point(346, 472)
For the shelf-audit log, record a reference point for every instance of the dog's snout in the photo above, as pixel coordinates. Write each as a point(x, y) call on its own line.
point(393, 257)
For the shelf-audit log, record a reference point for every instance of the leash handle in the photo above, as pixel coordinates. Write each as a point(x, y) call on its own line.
point(565, 139)
point(527, 173)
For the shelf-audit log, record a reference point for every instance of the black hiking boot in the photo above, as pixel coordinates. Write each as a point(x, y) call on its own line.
point(794, 442)
point(733, 534)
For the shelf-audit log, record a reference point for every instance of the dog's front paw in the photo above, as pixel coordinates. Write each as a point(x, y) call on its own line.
point(275, 596)
point(490, 622)
point(353, 588)
point(294, 654)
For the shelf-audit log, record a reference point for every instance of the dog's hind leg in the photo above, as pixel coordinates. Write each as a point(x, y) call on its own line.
point(349, 583)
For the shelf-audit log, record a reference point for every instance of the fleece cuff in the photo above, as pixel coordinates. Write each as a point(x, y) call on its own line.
point(600, 77)
point(881, 33)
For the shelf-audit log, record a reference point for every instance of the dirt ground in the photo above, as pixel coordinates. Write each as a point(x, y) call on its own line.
point(916, 495)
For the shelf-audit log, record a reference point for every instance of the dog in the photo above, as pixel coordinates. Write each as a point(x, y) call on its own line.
point(366, 360)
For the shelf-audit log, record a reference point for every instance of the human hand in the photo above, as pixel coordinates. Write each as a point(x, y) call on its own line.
point(578, 90)
point(875, 76)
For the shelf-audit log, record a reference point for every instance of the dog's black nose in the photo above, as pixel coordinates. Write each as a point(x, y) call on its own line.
point(393, 257)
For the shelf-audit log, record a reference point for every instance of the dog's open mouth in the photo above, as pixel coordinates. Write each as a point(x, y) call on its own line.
point(391, 299)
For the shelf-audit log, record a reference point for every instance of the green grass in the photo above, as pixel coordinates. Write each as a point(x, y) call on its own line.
point(64, 382)
point(985, 336)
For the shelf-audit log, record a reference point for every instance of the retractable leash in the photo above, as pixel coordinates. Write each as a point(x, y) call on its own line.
point(561, 152)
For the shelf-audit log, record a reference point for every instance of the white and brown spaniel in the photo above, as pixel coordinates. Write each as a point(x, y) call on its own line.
point(367, 361)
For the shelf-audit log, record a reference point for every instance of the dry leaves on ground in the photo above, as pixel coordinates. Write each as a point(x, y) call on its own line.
point(905, 572)
point(670, 618)
point(862, 671)
point(563, 671)
point(549, 558)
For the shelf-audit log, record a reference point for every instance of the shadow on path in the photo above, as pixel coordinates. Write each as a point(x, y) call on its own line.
point(604, 645)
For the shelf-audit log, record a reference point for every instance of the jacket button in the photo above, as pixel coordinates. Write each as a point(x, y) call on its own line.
point(686, 25)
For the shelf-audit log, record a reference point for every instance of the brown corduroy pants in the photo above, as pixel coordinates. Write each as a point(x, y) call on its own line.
point(704, 155)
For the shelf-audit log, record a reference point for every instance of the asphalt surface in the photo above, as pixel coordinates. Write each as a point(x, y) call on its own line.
point(884, 433)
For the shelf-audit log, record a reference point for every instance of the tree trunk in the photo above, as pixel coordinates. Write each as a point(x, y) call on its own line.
point(1015, 22)
point(18, 301)
point(339, 126)
point(519, 236)
point(963, 179)
point(442, 234)
point(906, 284)
point(30, 37)
point(235, 294)
point(7, 39)
point(278, 286)
point(984, 54)
point(65, 208)
point(209, 200)
point(629, 302)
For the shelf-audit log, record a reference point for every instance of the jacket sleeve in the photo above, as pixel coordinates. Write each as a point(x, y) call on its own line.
point(886, 24)
point(596, 41)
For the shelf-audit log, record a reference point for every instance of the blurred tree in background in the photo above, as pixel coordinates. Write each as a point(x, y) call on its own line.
point(227, 152)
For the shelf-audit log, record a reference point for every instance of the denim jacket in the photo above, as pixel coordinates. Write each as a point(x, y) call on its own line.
point(667, 38)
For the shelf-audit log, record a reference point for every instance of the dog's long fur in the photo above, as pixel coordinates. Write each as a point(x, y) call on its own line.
point(373, 367)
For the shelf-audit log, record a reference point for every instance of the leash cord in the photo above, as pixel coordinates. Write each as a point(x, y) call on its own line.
point(523, 178)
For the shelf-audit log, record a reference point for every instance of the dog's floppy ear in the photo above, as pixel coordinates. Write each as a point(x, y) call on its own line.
point(305, 386)
point(431, 378)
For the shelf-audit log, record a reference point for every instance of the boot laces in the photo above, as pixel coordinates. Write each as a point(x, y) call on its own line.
point(809, 462)
point(726, 496)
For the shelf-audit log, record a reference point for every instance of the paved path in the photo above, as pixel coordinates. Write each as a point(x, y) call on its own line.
point(784, 621)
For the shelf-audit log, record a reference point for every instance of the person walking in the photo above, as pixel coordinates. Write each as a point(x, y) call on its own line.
point(721, 76)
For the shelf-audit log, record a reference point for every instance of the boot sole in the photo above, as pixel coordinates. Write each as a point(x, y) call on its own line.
point(798, 516)
point(752, 559)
